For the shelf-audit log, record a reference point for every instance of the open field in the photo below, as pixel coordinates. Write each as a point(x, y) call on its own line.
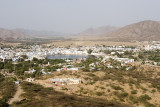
point(70, 43)
point(90, 43)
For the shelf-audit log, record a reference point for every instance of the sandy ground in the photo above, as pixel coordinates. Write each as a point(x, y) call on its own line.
point(16, 97)
point(75, 43)
point(47, 83)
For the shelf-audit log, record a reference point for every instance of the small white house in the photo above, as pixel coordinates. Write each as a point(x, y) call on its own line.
point(17, 82)
point(30, 79)
point(31, 71)
point(72, 69)
point(112, 53)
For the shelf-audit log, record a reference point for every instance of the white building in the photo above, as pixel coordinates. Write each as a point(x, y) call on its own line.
point(65, 81)
point(30, 79)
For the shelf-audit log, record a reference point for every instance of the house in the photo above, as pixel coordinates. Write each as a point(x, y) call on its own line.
point(67, 60)
point(112, 53)
point(92, 65)
point(43, 71)
point(31, 71)
point(74, 81)
point(48, 64)
point(78, 61)
point(124, 60)
point(17, 82)
point(58, 81)
point(72, 69)
point(30, 79)
point(109, 66)
point(65, 81)
point(127, 68)
point(58, 70)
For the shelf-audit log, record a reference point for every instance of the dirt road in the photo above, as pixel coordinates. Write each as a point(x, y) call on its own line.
point(16, 97)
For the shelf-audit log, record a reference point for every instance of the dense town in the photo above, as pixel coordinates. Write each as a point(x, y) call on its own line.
point(40, 52)
point(121, 54)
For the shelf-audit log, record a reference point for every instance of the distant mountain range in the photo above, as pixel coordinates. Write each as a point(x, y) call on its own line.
point(142, 31)
point(40, 32)
point(98, 31)
point(6, 34)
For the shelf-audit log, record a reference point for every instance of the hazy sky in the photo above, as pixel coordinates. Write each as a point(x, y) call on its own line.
point(72, 16)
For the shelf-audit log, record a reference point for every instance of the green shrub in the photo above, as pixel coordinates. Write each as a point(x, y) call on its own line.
point(147, 104)
point(102, 88)
point(116, 87)
point(109, 90)
point(120, 95)
point(134, 92)
point(85, 92)
point(133, 99)
point(124, 94)
point(144, 98)
point(153, 91)
point(99, 93)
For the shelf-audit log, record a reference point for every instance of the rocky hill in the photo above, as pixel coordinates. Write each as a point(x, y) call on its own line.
point(142, 31)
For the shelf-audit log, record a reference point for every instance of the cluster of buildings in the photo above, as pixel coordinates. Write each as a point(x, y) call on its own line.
point(65, 81)
point(39, 52)
point(122, 60)
point(73, 69)
point(9, 53)
point(152, 47)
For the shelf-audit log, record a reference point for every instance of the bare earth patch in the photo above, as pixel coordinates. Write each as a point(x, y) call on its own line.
point(17, 95)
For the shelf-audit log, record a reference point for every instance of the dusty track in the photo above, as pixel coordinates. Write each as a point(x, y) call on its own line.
point(16, 97)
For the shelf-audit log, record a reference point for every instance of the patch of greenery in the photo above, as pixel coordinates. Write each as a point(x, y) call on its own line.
point(134, 92)
point(116, 87)
point(7, 90)
point(144, 98)
point(99, 93)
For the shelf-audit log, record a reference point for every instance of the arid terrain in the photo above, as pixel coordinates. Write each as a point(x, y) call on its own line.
point(86, 42)
point(115, 85)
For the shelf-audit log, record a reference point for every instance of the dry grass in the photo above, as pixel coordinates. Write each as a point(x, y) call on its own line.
point(74, 43)
point(103, 89)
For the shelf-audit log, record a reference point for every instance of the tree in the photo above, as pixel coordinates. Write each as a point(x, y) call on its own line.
point(90, 51)
point(140, 56)
point(1, 65)
point(35, 59)
point(24, 56)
